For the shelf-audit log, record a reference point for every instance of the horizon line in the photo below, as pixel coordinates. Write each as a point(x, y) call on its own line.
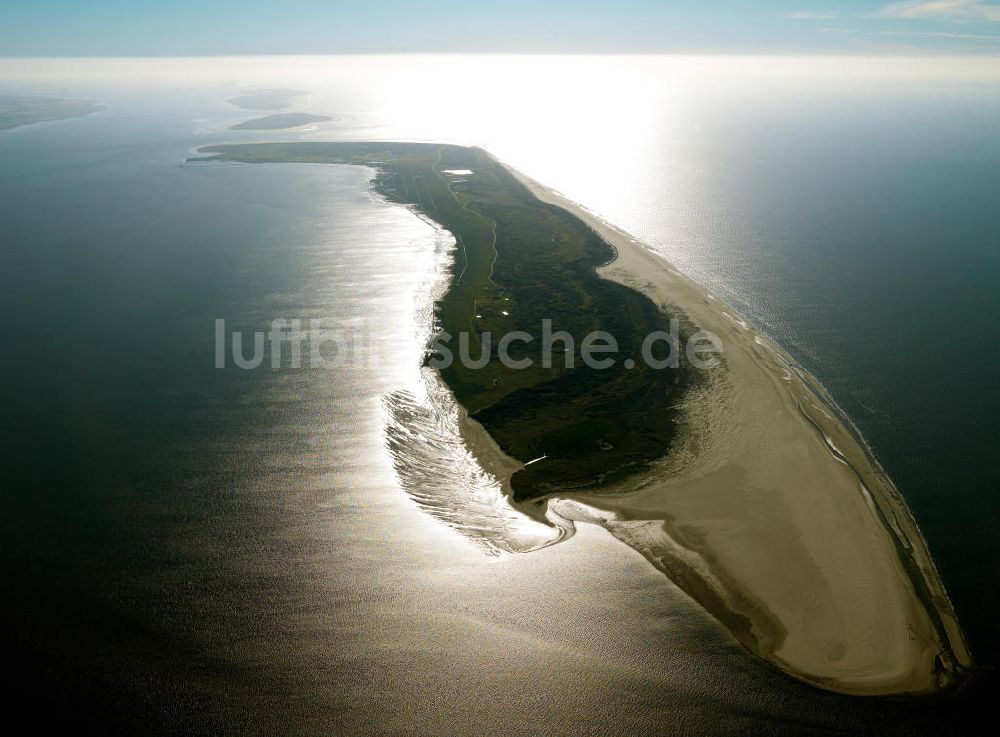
point(902, 53)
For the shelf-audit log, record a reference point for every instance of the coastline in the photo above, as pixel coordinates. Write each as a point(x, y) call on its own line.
point(855, 605)
point(769, 510)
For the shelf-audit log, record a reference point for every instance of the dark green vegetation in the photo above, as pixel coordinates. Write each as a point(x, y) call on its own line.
point(278, 121)
point(266, 99)
point(533, 261)
point(17, 110)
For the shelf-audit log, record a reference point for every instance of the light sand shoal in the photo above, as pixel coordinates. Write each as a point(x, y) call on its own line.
point(772, 514)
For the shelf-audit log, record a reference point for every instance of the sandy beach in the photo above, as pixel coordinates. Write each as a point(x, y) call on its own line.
point(771, 513)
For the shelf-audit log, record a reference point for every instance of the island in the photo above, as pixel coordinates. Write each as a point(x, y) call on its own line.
point(592, 425)
point(742, 481)
point(19, 110)
point(279, 121)
point(266, 99)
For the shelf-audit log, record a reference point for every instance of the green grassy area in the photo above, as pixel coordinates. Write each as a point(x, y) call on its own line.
point(533, 261)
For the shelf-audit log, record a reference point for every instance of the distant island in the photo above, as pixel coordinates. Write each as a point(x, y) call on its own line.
point(266, 99)
point(744, 483)
point(279, 121)
point(19, 110)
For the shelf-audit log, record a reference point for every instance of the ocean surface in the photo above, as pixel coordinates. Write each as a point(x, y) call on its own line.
point(212, 550)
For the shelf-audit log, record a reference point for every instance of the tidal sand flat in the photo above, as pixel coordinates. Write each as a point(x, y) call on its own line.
point(773, 514)
point(744, 484)
point(18, 110)
point(279, 121)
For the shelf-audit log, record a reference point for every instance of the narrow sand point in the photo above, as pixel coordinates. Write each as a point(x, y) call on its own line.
point(771, 512)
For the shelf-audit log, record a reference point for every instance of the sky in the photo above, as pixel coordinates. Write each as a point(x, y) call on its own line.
point(222, 27)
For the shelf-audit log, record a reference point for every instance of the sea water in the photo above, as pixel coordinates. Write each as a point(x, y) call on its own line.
point(232, 550)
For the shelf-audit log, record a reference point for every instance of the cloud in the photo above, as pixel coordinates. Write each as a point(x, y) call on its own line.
point(812, 14)
point(827, 29)
point(943, 9)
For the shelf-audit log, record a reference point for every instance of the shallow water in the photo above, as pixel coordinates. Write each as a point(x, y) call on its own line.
point(231, 550)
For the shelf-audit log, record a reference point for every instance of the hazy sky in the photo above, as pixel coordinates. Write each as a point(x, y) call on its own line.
point(190, 27)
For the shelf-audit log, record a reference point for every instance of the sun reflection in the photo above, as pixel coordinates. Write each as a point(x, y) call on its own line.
point(540, 114)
